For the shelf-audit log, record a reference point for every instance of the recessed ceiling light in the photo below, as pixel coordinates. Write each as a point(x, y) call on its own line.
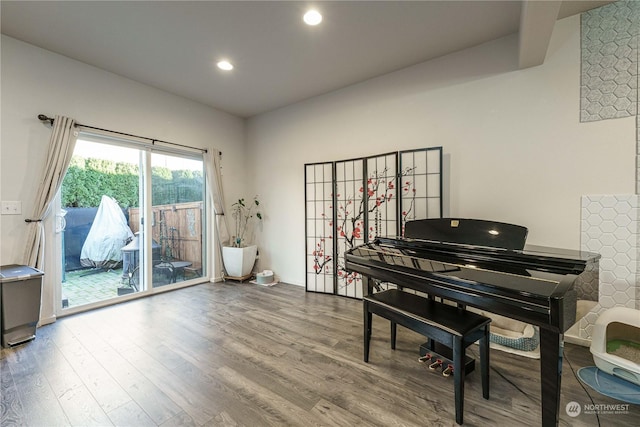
point(225, 65)
point(312, 17)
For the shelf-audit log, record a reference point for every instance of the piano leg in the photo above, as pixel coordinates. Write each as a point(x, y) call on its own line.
point(551, 345)
point(367, 285)
point(367, 289)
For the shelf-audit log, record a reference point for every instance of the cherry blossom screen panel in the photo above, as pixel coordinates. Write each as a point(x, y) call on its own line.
point(420, 184)
point(381, 191)
point(320, 248)
point(350, 221)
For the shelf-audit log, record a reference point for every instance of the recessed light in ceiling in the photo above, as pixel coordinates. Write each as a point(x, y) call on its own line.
point(225, 65)
point(312, 17)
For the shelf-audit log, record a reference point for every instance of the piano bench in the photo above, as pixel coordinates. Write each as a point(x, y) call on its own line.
point(453, 327)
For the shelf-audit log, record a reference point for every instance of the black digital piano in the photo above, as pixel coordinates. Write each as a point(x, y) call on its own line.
point(486, 265)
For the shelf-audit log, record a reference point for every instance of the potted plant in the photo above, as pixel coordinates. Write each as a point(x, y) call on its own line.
point(242, 212)
point(240, 257)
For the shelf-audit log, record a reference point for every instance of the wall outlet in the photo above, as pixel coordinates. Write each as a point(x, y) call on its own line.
point(11, 208)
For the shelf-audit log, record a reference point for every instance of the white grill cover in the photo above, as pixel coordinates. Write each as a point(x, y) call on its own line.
point(108, 234)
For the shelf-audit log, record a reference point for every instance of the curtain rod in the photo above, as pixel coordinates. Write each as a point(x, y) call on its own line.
point(44, 118)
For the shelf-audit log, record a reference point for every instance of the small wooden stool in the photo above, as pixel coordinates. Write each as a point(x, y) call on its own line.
point(453, 327)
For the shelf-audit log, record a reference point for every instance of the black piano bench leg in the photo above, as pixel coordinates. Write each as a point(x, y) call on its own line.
point(394, 329)
point(458, 377)
point(484, 362)
point(367, 330)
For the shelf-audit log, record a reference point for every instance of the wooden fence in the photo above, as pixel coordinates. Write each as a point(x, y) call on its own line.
point(177, 229)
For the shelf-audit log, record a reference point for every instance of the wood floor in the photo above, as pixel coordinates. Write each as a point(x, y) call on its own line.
point(243, 355)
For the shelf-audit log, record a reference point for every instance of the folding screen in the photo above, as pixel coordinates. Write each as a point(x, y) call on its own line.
point(350, 202)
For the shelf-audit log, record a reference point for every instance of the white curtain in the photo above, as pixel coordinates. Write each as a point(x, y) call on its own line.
point(212, 159)
point(61, 146)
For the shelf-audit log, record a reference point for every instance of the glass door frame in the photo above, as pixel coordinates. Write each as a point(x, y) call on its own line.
point(145, 196)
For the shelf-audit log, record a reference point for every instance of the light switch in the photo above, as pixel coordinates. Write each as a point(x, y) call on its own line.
point(11, 208)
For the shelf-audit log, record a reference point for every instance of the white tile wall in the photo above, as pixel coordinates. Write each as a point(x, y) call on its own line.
point(609, 83)
point(610, 226)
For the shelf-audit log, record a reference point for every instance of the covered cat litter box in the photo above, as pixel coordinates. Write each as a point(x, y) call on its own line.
point(615, 343)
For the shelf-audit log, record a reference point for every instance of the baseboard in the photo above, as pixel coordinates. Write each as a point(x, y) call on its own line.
point(47, 321)
point(572, 339)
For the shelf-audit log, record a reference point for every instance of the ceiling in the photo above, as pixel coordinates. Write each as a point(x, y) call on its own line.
point(174, 45)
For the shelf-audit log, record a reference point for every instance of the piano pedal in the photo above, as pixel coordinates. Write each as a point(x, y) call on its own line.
point(436, 365)
point(448, 371)
point(424, 358)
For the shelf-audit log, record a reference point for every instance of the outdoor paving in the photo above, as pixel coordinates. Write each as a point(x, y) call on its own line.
point(85, 286)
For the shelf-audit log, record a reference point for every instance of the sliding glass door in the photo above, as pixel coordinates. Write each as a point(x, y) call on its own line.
point(109, 248)
point(177, 197)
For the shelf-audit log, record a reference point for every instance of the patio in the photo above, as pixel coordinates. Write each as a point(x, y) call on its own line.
point(88, 286)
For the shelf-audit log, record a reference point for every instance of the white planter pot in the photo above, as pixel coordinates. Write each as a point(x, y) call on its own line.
point(238, 262)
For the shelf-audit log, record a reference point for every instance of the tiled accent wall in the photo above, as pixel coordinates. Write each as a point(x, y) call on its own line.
point(610, 226)
point(609, 89)
point(609, 84)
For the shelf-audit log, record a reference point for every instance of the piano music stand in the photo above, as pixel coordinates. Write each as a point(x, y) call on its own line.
point(475, 232)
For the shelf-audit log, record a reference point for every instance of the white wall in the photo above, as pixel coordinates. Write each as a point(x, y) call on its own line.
point(35, 81)
point(514, 148)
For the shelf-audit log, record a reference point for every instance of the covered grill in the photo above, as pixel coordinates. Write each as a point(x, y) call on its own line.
point(131, 255)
